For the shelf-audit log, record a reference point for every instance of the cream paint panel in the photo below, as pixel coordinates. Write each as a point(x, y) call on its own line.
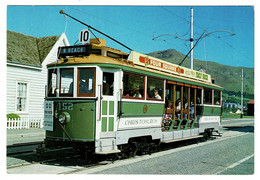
point(141, 122)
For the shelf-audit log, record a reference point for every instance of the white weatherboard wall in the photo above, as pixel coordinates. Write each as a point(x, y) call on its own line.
point(36, 79)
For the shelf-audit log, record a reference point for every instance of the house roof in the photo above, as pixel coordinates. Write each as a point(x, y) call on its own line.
point(28, 50)
point(252, 101)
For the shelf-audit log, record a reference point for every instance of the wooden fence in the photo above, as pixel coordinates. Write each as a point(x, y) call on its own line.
point(24, 123)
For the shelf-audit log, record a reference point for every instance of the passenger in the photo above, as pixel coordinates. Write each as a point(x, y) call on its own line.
point(156, 94)
point(71, 88)
point(83, 86)
point(191, 109)
point(178, 109)
point(185, 111)
point(169, 106)
point(137, 93)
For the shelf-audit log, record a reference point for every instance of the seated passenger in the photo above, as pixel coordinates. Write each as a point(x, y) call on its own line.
point(83, 87)
point(178, 109)
point(137, 93)
point(156, 94)
point(169, 106)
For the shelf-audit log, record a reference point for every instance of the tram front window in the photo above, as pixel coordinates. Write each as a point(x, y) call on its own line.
point(86, 82)
point(108, 84)
point(66, 82)
point(207, 98)
point(216, 97)
point(52, 80)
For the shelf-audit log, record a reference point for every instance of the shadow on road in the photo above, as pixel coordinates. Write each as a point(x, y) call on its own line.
point(245, 129)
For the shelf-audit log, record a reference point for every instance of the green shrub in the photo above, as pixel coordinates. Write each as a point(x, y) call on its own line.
point(12, 115)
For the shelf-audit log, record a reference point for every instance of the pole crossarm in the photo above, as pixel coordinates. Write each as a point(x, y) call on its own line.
point(177, 37)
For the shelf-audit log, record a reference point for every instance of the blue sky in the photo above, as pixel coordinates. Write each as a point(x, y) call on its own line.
point(136, 26)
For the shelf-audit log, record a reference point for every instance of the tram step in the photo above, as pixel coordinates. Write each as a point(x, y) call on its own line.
point(108, 152)
point(181, 139)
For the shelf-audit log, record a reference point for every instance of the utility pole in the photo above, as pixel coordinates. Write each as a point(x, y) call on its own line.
point(242, 95)
point(191, 38)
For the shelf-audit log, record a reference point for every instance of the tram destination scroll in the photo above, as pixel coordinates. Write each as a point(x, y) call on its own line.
point(83, 50)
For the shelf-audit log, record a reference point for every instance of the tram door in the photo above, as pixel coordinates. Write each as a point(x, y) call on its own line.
point(109, 101)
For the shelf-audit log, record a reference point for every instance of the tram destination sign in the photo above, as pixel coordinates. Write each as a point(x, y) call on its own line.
point(158, 64)
point(84, 50)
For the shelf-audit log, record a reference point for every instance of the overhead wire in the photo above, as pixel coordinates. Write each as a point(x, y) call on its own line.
point(125, 27)
point(195, 24)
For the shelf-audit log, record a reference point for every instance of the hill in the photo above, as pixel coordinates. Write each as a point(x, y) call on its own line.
point(228, 77)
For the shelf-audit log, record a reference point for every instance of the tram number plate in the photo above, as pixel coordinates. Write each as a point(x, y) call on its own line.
point(65, 106)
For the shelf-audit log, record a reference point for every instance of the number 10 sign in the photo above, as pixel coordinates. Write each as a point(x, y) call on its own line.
point(84, 36)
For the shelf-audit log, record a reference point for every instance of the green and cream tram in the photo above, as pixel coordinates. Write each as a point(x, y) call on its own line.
point(106, 101)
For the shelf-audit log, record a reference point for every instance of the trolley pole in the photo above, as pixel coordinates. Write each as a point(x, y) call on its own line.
point(242, 95)
point(191, 38)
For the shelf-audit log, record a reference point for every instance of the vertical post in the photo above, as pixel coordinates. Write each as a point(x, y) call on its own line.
point(188, 102)
point(174, 100)
point(195, 102)
point(191, 38)
point(181, 101)
point(242, 95)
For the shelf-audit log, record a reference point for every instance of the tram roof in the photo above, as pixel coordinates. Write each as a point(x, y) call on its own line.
point(142, 64)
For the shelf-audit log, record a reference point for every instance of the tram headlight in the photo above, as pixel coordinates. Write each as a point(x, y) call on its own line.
point(64, 118)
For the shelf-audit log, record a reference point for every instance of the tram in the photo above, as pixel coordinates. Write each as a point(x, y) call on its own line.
point(101, 100)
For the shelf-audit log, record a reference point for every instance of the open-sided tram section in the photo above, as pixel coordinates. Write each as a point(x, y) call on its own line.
point(102, 100)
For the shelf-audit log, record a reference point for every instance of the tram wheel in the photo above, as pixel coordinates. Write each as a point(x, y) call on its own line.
point(207, 134)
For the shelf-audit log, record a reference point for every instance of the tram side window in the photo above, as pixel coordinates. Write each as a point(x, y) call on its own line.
point(66, 82)
point(108, 83)
point(198, 96)
point(96, 51)
point(133, 86)
point(86, 82)
point(154, 89)
point(207, 97)
point(114, 55)
point(52, 80)
point(216, 97)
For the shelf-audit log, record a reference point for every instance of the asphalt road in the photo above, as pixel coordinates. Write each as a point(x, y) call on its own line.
point(231, 154)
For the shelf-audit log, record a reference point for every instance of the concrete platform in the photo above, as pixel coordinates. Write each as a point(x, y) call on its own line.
point(15, 136)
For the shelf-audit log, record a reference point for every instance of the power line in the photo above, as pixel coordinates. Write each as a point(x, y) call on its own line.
point(126, 27)
point(218, 37)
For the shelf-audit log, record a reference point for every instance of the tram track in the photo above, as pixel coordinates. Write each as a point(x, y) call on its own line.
point(21, 148)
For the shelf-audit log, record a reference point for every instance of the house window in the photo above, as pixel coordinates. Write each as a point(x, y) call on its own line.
point(21, 97)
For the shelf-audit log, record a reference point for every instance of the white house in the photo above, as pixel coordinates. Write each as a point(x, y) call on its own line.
point(27, 58)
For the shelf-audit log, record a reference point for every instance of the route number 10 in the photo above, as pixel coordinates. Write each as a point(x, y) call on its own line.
point(84, 36)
